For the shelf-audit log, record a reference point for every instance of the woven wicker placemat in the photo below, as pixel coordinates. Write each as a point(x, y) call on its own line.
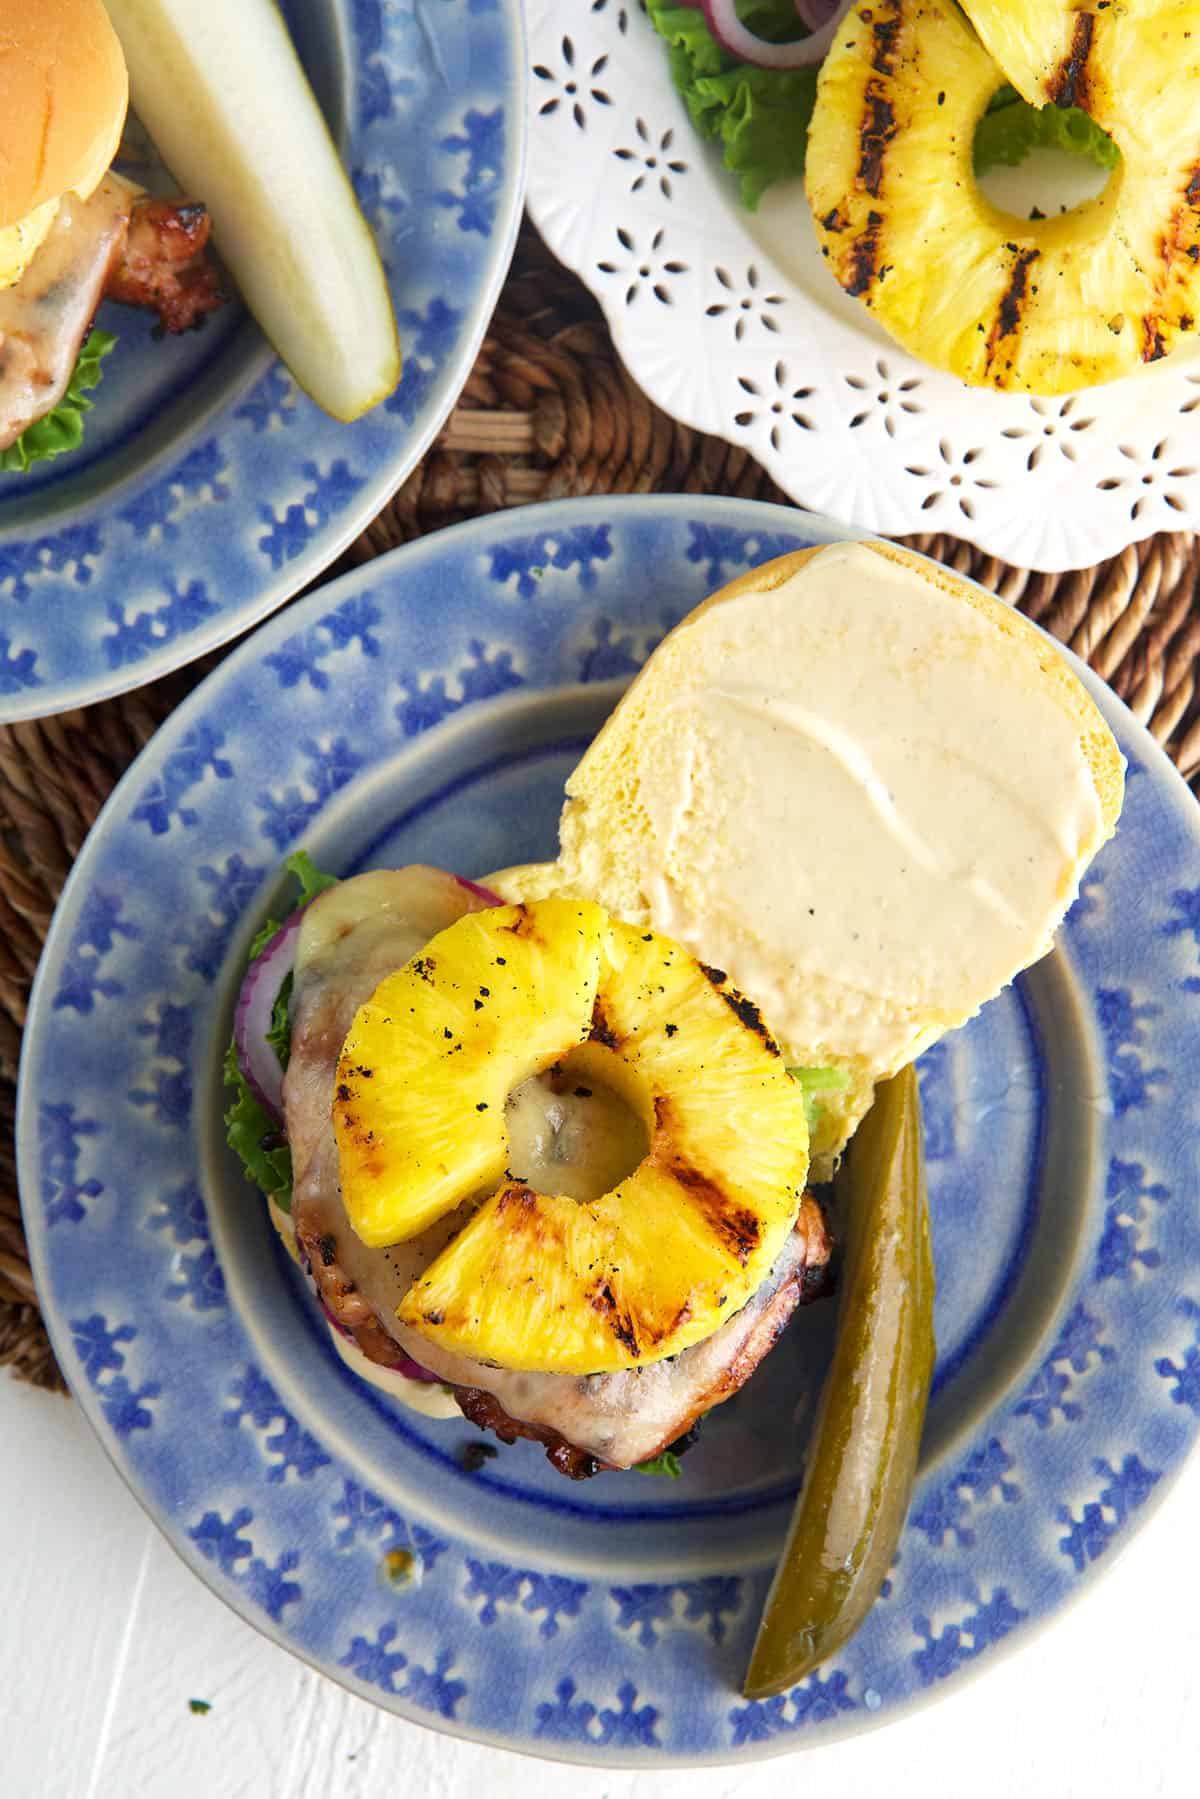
point(548, 411)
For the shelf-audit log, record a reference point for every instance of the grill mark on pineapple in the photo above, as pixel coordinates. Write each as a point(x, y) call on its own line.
point(1069, 84)
point(353, 1128)
point(524, 925)
point(884, 33)
point(864, 252)
point(620, 1322)
point(1009, 312)
point(522, 1207)
point(737, 1227)
point(743, 1009)
point(1179, 238)
point(878, 125)
point(602, 1031)
point(748, 1014)
point(876, 130)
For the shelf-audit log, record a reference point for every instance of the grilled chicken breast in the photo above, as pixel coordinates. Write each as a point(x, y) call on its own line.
point(121, 245)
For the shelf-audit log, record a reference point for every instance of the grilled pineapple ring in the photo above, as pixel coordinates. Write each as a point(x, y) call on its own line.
point(1039, 306)
point(541, 1281)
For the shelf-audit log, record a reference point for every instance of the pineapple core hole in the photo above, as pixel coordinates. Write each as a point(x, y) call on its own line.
point(1045, 182)
point(572, 1134)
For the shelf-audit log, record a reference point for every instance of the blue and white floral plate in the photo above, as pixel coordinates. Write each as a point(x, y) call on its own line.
point(428, 707)
point(209, 488)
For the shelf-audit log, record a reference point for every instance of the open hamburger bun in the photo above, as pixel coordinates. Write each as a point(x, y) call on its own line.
point(864, 787)
point(63, 98)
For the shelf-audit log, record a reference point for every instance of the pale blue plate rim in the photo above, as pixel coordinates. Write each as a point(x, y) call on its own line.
point(753, 517)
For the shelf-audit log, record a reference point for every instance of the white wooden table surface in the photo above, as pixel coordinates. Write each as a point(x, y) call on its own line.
point(106, 1636)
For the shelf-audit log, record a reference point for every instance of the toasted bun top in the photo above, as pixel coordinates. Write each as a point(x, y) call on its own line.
point(63, 97)
point(862, 786)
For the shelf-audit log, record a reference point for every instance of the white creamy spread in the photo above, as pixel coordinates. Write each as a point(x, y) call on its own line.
point(426, 1397)
point(858, 804)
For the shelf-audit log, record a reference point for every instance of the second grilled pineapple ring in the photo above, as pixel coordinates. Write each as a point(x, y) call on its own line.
point(538, 1281)
point(1043, 305)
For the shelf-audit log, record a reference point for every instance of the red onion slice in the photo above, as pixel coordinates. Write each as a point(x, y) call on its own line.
point(252, 1017)
point(484, 893)
point(737, 40)
point(403, 1365)
point(414, 1371)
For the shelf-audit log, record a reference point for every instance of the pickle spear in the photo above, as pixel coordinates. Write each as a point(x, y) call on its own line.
point(863, 1458)
point(221, 91)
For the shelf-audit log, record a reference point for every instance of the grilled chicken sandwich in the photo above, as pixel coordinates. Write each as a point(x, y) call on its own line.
point(73, 233)
point(550, 1144)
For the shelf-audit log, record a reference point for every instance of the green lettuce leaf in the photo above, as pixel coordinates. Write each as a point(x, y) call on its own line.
point(312, 881)
point(813, 1082)
point(256, 1139)
point(759, 116)
point(62, 429)
point(251, 1132)
point(667, 1464)
point(1011, 129)
point(279, 1033)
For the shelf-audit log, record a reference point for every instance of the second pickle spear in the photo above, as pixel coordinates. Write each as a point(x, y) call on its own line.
point(863, 1456)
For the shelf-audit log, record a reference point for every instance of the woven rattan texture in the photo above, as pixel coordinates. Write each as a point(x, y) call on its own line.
point(548, 411)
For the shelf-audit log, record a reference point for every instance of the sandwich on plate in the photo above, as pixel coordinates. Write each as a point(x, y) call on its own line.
point(550, 1149)
point(72, 231)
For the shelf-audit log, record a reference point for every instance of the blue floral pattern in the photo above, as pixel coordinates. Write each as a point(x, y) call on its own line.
point(209, 488)
point(268, 1586)
point(101, 1349)
point(429, 708)
point(1056, 1391)
point(301, 658)
point(987, 1473)
point(819, 1700)
point(196, 1278)
point(944, 1652)
point(377, 1664)
point(362, 1518)
point(625, 1725)
point(648, 1608)
point(65, 1191)
point(1125, 1489)
point(100, 926)
point(287, 1449)
point(197, 757)
point(1185, 1375)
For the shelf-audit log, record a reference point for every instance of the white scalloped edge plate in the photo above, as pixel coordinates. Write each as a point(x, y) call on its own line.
point(730, 322)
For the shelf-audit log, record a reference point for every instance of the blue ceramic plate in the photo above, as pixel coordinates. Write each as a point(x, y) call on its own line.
point(208, 488)
point(429, 708)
